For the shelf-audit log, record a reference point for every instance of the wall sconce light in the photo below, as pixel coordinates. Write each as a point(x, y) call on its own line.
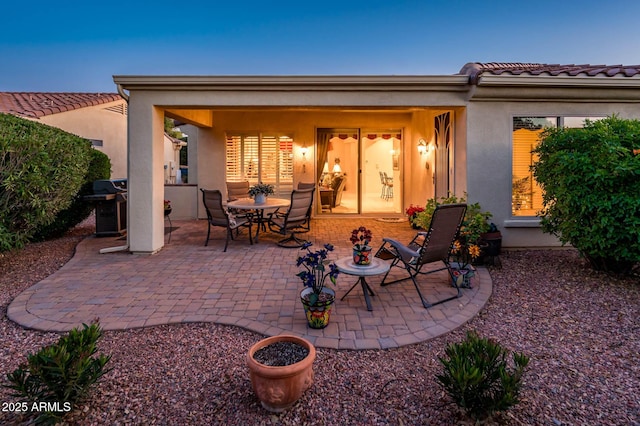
point(304, 151)
point(422, 146)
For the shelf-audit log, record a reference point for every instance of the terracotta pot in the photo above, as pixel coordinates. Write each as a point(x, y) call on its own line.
point(278, 388)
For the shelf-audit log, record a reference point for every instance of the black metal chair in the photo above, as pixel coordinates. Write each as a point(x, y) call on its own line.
point(293, 220)
point(427, 247)
point(217, 215)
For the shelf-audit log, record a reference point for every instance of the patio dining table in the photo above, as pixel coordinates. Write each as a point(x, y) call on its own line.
point(259, 208)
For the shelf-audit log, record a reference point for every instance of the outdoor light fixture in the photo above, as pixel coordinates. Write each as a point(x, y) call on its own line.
point(422, 146)
point(304, 151)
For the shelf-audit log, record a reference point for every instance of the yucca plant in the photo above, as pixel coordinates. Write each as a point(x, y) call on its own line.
point(478, 378)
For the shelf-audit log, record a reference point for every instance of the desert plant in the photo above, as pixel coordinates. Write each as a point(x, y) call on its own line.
point(41, 170)
point(80, 209)
point(60, 374)
point(476, 376)
point(591, 197)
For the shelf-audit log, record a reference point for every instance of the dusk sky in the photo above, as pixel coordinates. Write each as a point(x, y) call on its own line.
point(73, 46)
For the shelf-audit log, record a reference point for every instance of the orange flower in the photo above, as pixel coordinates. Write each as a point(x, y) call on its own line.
point(474, 251)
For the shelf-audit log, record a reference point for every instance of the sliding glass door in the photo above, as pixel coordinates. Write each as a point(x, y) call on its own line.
point(359, 171)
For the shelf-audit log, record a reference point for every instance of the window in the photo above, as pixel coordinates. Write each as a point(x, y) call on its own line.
point(261, 157)
point(526, 195)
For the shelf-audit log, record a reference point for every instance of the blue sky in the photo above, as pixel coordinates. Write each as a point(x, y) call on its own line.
point(78, 46)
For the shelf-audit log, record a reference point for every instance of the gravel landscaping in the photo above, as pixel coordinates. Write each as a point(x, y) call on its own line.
point(580, 328)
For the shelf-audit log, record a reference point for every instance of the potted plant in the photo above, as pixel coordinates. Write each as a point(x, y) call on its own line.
point(491, 241)
point(281, 369)
point(259, 192)
point(474, 226)
point(360, 238)
point(316, 298)
point(167, 207)
point(412, 211)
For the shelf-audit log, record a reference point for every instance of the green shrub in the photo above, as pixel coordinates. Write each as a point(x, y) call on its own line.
point(79, 210)
point(591, 192)
point(477, 377)
point(41, 170)
point(60, 373)
point(475, 220)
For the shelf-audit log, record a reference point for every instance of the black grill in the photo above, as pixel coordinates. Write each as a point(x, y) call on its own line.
point(110, 196)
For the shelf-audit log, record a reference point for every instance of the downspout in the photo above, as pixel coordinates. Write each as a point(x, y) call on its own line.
point(126, 246)
point(121, 92)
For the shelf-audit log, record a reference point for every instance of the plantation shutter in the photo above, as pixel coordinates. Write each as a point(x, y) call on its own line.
point(529, 202)
point(234, 159)
point(251, 156)
point(285, 164)
point(264, 158)
point(269, 159)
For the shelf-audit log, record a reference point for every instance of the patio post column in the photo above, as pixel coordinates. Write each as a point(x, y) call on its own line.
point(145, 220)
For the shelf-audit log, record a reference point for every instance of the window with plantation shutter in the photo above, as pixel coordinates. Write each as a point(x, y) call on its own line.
point(526, 195)
point(234, 159)
point(261, 157)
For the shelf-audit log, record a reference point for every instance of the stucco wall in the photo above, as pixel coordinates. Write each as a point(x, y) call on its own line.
point(98, 123)
point(489, 157)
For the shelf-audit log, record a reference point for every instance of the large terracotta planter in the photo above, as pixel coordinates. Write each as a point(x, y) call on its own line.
point(278, 388)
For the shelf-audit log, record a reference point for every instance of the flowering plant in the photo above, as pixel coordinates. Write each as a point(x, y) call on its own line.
point(167, 204)
point(261, 188)
point(412, 210)
point(316, 269)
point(360, 238)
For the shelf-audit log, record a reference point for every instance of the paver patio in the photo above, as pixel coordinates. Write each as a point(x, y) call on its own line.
point(254, 287)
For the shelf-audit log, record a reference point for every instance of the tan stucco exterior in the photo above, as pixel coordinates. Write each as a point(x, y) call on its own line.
point(482, 113)
point(100, 123)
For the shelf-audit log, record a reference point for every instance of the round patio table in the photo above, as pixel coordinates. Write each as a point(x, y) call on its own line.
point(250, 204)
point(376, 267)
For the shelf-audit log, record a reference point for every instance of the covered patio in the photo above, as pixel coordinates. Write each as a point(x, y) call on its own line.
point(253, 287)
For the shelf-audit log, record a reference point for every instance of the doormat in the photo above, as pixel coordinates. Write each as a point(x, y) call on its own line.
point(392, 219)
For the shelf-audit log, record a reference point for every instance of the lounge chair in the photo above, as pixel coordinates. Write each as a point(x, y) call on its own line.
point(427, 247)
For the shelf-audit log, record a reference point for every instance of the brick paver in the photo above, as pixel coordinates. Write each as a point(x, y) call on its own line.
point(254, 287)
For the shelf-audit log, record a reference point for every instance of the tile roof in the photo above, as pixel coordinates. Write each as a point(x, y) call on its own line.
point(38, 104)
point(475, 69)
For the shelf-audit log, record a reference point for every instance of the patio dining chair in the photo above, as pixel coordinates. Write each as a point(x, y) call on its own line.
point(236, 190)
point(428, 247)
point(307, 185)
point(294, 219)
point(217, 215)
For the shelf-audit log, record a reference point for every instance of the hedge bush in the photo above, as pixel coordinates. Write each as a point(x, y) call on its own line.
point(79, 210)
point(590, 179)
point(41, 170)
